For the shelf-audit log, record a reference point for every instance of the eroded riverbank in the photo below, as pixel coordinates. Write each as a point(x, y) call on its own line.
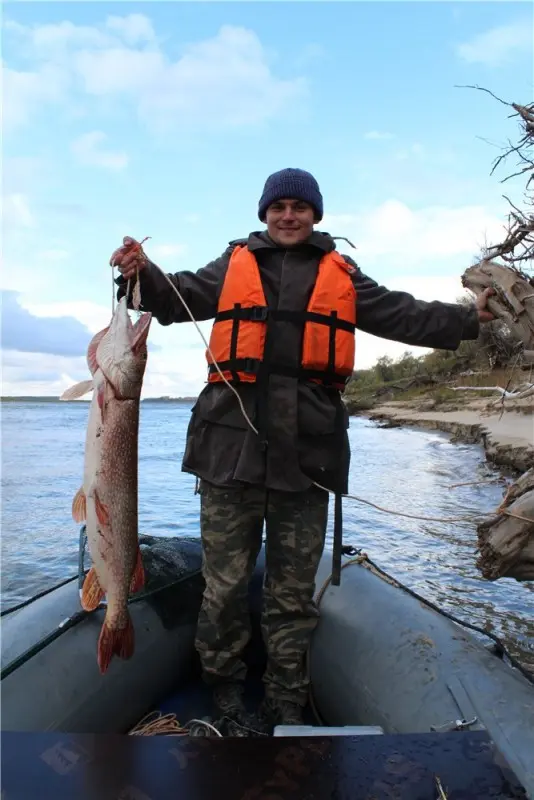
point(507, 436)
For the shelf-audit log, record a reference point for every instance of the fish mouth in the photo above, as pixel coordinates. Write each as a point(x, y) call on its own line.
point(140, 330)
point(122, 352)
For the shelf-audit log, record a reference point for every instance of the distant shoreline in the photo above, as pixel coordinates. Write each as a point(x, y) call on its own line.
point(53, 399)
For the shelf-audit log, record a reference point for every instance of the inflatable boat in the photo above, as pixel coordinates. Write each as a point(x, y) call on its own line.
point(385, 666)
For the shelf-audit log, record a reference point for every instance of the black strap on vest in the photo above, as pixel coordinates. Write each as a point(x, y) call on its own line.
point(253, 366)
point(338, 539)
point(263, 313)
point(338, 499)
point(256, 367)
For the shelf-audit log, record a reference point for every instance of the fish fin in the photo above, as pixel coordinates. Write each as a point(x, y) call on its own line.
point(141, 330)
point(78, 390)
point(115, 641)
point(102, 511)
point(92, 592)
point(79, 506)
point(138, 577)
point(91, 350)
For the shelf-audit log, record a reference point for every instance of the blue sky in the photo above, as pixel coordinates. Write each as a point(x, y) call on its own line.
point(164, 119)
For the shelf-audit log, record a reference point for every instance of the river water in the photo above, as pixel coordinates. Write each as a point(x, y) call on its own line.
point(400, 469)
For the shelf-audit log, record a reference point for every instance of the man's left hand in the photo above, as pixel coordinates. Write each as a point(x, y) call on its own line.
point(481, 302)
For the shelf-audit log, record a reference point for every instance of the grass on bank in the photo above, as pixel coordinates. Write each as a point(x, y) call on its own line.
point(493, 359)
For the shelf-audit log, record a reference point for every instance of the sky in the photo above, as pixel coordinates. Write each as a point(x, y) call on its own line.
point(165, 119)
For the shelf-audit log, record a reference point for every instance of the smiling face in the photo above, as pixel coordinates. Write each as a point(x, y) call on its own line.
point(290, 222)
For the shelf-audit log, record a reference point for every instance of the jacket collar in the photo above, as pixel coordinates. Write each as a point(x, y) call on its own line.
point(259, 240)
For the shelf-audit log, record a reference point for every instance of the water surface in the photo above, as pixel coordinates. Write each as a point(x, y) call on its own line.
point(400, 469)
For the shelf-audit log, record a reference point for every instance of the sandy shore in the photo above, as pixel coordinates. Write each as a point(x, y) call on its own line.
point(507, 439)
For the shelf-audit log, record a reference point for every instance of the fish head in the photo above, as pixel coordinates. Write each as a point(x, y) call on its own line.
point(122, 352)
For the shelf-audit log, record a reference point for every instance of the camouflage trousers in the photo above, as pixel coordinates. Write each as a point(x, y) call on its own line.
point(232, 523)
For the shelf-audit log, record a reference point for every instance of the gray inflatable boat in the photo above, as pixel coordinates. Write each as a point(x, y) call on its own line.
point(381, 662)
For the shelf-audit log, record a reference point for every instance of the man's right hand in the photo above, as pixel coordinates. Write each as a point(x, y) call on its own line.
point(130, 258)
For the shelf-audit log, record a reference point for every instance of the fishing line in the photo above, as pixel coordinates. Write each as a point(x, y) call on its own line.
point(469, 518)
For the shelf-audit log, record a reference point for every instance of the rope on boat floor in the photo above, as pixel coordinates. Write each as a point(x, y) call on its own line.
point(157, 724)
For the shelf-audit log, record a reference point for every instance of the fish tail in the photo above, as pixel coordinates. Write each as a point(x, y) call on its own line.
point(115, 641)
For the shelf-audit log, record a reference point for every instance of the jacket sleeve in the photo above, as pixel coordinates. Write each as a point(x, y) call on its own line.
point(401, 317)
point(200, 291)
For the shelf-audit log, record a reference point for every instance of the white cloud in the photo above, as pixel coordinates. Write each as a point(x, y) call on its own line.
point(416, 236)
point(87, 148)
point(497, 45)
point(412, 238)
point(227, 79)
point(445, 288)
point(30, 374)
point(133, 29)
point(26, 92)
point(93, 315)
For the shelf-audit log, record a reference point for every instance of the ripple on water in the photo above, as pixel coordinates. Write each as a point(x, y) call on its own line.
point(401, 469)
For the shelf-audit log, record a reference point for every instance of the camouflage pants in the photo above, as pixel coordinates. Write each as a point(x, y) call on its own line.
point(231, 529)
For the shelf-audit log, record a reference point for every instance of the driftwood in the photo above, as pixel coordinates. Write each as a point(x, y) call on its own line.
point(525, 390)
point(513, 302)
point(506, 540)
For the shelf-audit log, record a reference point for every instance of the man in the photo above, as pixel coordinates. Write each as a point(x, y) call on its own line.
point(289, 358)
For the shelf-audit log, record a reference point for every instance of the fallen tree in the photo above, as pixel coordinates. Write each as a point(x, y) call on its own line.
point(506, 540)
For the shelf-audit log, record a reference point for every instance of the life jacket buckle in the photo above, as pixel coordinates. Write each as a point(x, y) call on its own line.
point(250, 365)
point(259, 313)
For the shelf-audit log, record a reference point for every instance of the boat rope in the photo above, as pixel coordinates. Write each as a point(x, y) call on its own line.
point(362, 559)
point(157, 724)
point(467, 518)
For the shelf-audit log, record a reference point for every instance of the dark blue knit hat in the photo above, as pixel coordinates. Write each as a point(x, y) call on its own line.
point(291, 183)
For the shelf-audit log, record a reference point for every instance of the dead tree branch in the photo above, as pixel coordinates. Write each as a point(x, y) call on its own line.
point(518, 243)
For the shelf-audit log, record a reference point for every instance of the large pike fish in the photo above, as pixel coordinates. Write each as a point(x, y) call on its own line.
point(108, 498)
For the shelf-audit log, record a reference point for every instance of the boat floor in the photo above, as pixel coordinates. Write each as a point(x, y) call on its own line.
point(193, 700)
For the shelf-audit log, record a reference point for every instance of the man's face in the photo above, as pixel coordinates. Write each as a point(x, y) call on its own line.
point(290, 222)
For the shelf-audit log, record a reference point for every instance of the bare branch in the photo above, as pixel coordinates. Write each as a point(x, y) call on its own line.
point(482, 89)
point(518, 244)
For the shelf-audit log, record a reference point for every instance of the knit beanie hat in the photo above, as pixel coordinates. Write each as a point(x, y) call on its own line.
point(291, 183)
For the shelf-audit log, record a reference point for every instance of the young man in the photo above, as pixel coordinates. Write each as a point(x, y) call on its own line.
point(285, 306)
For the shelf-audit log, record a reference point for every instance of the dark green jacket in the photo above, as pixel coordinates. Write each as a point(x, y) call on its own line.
point(306, 425)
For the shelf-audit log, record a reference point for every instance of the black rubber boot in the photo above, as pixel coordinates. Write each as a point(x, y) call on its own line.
point(280, 712)
point(228, 699)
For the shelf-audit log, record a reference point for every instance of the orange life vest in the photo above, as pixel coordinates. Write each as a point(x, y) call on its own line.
point(238, 335)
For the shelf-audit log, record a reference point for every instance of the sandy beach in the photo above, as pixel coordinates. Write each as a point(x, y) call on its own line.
point(508, 438)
